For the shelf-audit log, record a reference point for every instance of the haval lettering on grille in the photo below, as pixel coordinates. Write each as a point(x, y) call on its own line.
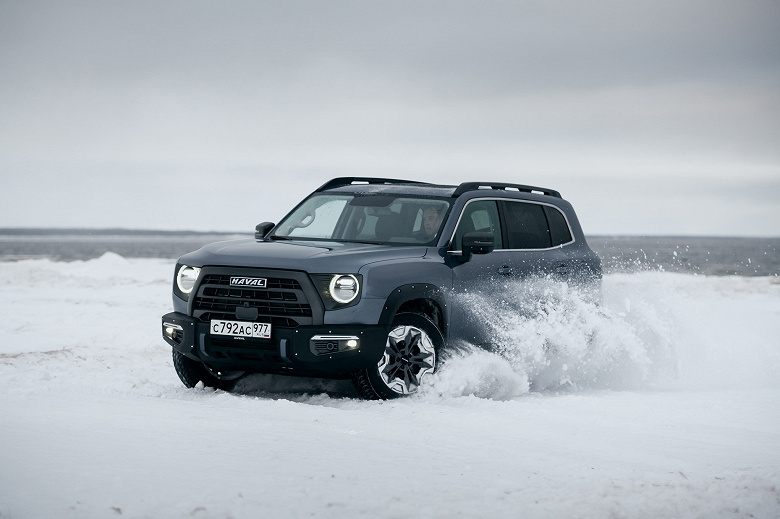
point(250, 282)
point(365, 280)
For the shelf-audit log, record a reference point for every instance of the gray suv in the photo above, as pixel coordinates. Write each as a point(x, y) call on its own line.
point(363, 280)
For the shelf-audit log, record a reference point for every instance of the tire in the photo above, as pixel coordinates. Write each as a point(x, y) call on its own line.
point(191, 372)
point(411, 353)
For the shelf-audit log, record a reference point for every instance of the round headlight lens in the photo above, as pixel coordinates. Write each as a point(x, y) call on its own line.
point(344, 288)
point(186, 278)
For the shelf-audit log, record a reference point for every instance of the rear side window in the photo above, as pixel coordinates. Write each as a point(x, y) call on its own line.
point(526, 226)
point(559, 229)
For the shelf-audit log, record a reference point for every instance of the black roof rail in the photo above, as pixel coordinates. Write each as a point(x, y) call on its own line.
point(471, 186)
point(346, 181)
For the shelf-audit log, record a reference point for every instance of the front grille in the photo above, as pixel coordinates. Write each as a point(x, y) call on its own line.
point(226, 302)
point(283, 302)
point(224, 280)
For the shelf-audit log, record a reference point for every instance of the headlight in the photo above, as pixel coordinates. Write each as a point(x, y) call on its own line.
point(186, 277)
point(338, 290)
point(344, 288)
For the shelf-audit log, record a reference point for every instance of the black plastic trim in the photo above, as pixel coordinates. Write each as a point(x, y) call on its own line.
point(413, 292)
point(287, 352)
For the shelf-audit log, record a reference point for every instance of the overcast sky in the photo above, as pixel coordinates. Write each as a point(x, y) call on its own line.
point(656, 117)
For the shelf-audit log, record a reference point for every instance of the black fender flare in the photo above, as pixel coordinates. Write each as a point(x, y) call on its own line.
point(416, 291)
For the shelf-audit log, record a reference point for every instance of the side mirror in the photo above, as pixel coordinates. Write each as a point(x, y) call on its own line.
point(477, 242)
point(262, 229)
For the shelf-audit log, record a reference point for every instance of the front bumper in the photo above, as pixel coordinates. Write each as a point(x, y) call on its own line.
point(317, 350)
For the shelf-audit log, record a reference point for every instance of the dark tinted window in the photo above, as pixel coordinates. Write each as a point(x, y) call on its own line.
point(559, 230)
point(480, 215)
point(526, 226)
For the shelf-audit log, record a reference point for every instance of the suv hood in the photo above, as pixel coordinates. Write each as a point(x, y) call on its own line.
point(313, 257)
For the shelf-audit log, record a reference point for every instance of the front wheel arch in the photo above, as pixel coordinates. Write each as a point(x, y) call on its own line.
point(418, 298)
point(192, 371)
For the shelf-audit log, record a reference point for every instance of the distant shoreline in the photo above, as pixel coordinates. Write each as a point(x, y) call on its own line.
point(78, 231)
point(44, 231)
point(719, 255)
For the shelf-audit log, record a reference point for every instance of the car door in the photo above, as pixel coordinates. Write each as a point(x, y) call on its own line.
point(478, 279)
point(535, 233)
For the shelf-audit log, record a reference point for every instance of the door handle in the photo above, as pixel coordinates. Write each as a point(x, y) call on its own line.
point(505, 270)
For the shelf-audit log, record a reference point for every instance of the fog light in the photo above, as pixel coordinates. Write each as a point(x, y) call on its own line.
point(330, 344)
point(174, 332)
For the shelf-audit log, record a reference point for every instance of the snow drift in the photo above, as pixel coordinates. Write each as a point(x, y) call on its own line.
point(663, 399)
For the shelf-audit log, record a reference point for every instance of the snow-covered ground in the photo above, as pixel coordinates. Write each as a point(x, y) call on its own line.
point(662, 402)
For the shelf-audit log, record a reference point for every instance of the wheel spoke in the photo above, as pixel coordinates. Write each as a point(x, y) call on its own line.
point(421, 360)
point(392, 369)
point(410, 379)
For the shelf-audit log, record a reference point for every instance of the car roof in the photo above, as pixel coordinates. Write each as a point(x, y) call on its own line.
point(370, 185)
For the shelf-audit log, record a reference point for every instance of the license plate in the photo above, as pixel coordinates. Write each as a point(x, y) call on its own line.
point(241, 329)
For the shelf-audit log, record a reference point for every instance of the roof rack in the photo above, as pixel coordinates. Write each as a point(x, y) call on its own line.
point(471, 186)
point(346, 181)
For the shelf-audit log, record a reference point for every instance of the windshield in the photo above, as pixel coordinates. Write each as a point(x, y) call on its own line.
point(367, 219)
